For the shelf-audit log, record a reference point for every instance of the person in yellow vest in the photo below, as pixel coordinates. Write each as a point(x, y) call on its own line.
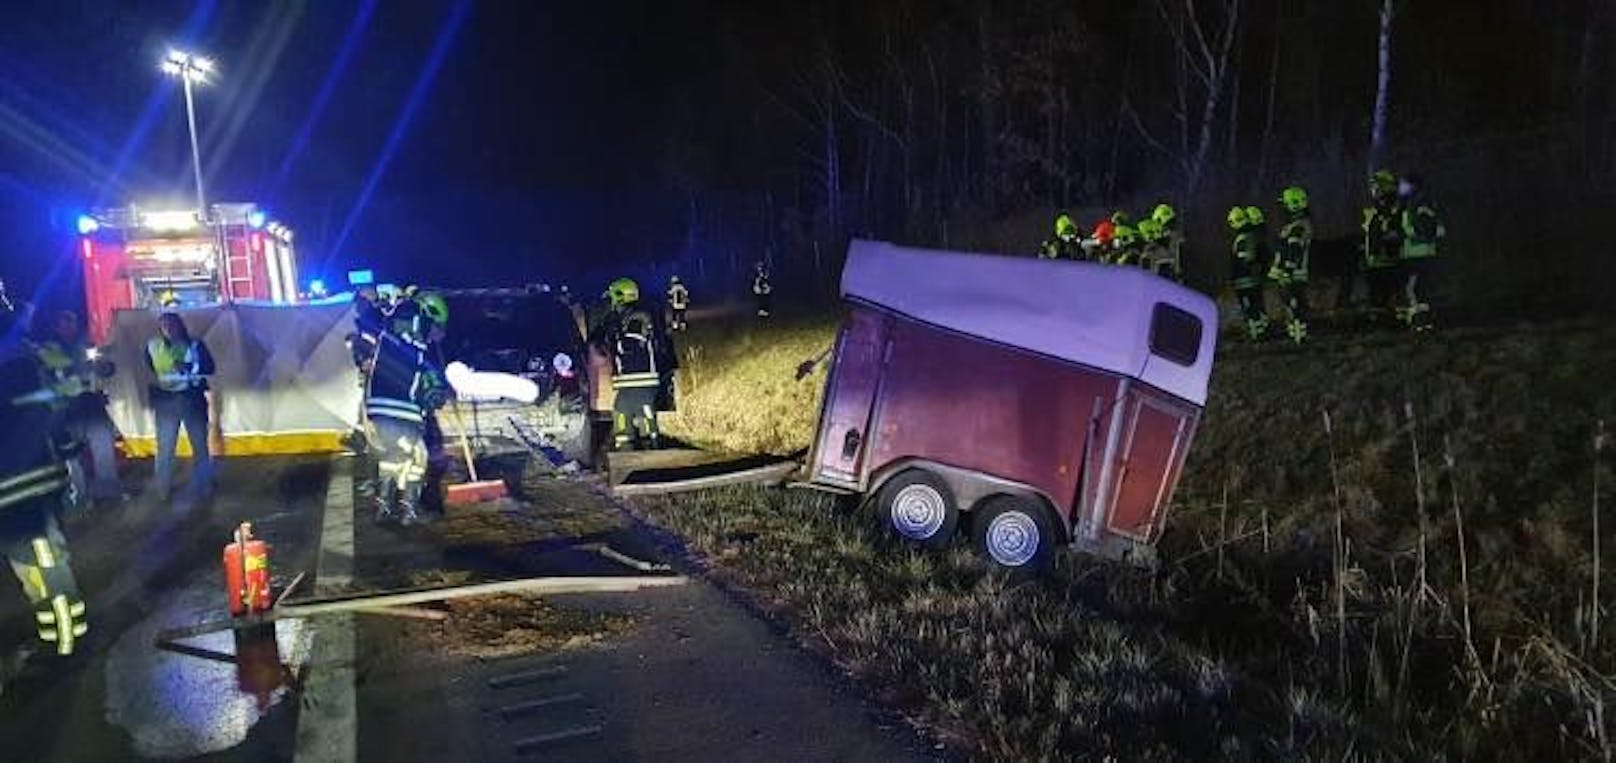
point(182, 366)
point(76, 372)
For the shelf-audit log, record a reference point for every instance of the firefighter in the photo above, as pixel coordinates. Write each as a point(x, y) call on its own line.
point(1066, 243)
point(1423, 233)
point(1382, 242)
point(1290, 264)
point(435, 309)
point(406, 386)
point(1120, 218)
point(179, 397)
point(1172, 240)
point(1247, 270)
point(678, 304)
point(1154, 255)
point(762, 291)
point(629, 335)
point(75, 371)
point(33, 481)
point(1125, 247)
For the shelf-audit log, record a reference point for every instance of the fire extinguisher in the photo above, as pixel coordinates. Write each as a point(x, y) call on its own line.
point(246, 573)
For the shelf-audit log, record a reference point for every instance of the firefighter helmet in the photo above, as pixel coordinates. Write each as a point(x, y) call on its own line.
point(1104, 231)
point(1294, 198)
point(1065, 226)
point(624, 291)
point(433, 307)
point(1254, 215)
point(168, 298)
point(1125, 235)
point(674, 279)
point(1163, 214)
point(1120, 218)
point(1383, 182)
point(1238, 218)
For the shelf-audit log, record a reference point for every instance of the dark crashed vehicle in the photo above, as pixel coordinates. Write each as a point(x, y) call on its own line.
point(531, 334)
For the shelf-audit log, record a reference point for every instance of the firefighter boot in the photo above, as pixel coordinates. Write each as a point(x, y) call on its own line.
point(382, 499)
point(409, 505)
point(1296, 330)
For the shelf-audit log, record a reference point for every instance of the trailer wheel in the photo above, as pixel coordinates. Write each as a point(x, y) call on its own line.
point(919, 507)
point(1014, 533)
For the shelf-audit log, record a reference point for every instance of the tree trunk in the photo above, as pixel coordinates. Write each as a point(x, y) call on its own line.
point(1377, 130)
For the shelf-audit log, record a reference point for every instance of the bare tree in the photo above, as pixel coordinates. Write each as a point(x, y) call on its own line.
point(1377, 129)
point(1204, 62)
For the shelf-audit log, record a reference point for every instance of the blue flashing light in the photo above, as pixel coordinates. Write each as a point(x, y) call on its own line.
point(317, 287)
point(88, 225)
point(361, 277)
point(257, 218)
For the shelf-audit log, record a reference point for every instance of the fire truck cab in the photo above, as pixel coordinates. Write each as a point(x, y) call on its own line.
point(135, 258)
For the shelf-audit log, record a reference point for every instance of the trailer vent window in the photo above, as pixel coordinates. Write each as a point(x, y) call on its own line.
point(1175, 334)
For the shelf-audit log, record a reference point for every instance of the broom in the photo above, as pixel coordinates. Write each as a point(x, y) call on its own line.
point(477, 490)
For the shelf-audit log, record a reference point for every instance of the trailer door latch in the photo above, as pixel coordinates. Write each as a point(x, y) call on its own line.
point(850, 444)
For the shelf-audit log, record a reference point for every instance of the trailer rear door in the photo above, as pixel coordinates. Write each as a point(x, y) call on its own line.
point(1155, 437)
point(850, 393)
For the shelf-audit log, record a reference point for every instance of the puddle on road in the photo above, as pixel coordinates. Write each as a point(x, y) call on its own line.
point(178, 705)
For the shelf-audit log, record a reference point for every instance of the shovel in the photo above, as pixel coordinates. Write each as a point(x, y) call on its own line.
point(475, 491)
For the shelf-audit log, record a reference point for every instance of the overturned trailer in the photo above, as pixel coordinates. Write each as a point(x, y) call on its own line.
point(1036, 402)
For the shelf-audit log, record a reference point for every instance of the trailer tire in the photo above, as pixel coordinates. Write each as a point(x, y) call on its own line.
point(1014, 534)
point(917, 506)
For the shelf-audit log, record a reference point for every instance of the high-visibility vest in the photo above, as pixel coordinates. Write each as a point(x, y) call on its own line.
point(678, 296)
point(174, 364)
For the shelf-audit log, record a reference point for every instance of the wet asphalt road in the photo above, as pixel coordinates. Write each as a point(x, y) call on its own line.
point(698, 678)
point(145, 568)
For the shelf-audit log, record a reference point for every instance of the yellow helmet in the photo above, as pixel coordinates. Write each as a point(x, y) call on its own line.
point(623, 291)
point(1237, 218)
point(168, 298)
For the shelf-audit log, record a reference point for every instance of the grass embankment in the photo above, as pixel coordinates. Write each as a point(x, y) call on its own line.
point(738, 386)
point(1260, 635)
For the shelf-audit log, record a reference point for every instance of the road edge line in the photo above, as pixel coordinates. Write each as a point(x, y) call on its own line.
point(328, 722)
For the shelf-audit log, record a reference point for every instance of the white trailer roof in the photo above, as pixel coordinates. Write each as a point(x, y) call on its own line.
point(1097, 315)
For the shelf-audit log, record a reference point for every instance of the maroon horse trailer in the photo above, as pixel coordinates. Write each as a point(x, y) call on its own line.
point(1036, 402)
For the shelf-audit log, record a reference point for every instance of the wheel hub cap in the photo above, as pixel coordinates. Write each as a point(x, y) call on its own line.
point(1012, 539)
point(918, 511)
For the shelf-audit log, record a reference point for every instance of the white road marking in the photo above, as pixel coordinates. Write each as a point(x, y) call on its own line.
point(327, 727)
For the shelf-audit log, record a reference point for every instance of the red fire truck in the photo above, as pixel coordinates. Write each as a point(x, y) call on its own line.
point(135, 258)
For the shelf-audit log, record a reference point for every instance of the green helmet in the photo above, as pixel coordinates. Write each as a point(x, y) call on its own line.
point(1238, 218)
point(1120, 218)
point(1064, 225)
point(1383, 182)
point(433, 307)
point(1254, 215)
point(1163, 214)
point(623, 291)
point(1150, 229)
point(1125, 235)
point(1293, 199)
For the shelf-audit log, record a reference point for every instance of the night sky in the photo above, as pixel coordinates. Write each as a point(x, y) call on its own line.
point(574, 140)
point(537, 133)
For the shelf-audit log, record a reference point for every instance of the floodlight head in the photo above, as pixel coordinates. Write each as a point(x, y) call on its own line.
point(172, 69)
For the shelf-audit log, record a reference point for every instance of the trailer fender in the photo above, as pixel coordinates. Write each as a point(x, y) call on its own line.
point(970, 488)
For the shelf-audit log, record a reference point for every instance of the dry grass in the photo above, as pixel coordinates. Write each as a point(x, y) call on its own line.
point(1261, 635)
point(738, 390)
